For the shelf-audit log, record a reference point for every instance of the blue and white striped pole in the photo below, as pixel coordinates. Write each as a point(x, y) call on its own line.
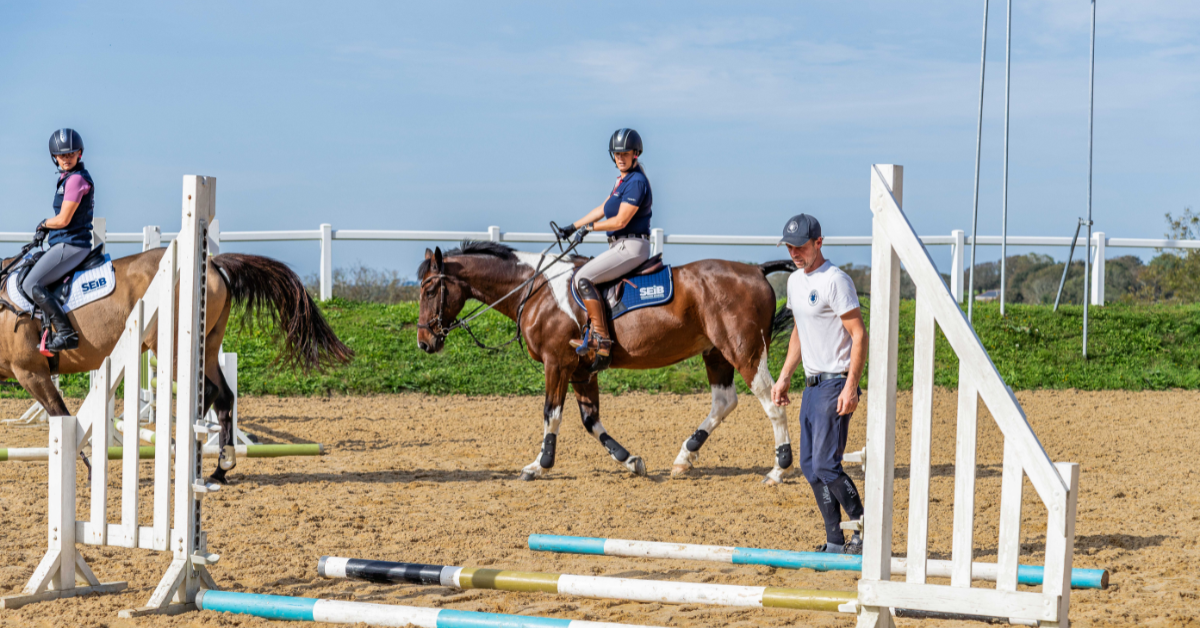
point(819, 561)
point(338, 612)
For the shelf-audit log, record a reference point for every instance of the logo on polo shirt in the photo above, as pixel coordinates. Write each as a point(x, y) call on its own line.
point(812, 298)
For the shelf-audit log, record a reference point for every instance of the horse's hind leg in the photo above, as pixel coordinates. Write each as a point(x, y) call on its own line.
point(724, 400)
point(220, 397)
point(587, 393)
point(760, 381)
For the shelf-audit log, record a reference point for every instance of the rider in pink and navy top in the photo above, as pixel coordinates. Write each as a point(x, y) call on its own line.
point(69, 233)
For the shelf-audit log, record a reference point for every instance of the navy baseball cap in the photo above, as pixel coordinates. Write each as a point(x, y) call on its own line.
point(800, 229)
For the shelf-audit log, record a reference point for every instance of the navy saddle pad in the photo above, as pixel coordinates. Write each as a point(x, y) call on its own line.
point(633, 293)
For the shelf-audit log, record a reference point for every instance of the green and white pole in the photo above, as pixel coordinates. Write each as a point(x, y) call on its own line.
point(636, 590)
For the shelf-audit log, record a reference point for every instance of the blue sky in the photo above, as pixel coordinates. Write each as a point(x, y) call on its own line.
point(459, 116)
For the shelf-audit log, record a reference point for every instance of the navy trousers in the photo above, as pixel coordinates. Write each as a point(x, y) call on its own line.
point(822, 432)
point(823, 435)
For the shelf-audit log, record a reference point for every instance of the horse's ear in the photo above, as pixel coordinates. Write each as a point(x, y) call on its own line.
point(437, 256)
point(428, 254)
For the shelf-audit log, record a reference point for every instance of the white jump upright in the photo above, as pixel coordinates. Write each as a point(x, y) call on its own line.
point(63, 572)
point(896, 243)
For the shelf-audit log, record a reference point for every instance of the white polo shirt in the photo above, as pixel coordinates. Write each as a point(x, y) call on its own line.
point(818, 299)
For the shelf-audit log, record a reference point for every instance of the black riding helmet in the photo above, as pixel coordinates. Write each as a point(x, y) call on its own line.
point(66, 141)
point(622, 140)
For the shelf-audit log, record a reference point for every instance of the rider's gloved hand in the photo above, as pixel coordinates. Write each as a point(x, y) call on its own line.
point(39, 235)
point(565, 232)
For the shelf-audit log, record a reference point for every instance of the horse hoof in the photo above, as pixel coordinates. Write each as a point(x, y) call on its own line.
point(220, 479)
point(528, 476)
point(636, 465)
point(770, 481)
point(680, 469)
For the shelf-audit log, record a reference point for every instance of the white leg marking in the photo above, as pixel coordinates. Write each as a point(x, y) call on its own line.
point(762, 389)
point(724, 400)
point(550, 426)
point(559, 277)
point(633, 463)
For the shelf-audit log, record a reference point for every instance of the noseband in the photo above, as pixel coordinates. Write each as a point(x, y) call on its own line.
point(435, 325)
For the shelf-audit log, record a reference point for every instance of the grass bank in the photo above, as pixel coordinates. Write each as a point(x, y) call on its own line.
point(1131, 347)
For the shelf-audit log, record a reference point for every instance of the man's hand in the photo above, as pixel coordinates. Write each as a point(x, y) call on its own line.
point(848, 400)
point(779, 392)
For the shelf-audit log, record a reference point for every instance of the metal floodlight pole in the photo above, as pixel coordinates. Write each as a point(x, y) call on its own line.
point(978, 146)
point(1087, 260)
point(1004, 193)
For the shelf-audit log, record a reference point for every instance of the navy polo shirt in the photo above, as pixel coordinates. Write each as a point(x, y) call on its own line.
point(633, 188)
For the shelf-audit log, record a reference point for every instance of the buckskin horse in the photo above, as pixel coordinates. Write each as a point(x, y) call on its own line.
point(721, 310)
point(254, 281)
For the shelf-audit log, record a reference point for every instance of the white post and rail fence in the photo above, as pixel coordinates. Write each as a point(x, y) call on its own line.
point(325, 235)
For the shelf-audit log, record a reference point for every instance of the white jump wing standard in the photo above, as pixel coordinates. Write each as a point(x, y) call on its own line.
point(895, 243)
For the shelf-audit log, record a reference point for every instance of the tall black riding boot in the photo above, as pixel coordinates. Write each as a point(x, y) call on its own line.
point(599, 323)
point(65, 338)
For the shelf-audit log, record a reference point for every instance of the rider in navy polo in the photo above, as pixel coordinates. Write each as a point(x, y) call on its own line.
point(831, 339)
point(625, 215)
point(69, 233)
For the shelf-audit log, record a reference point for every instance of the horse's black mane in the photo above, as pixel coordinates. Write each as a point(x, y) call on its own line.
point(475, 247)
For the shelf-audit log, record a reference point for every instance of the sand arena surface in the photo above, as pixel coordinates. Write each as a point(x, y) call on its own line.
point(433, 479)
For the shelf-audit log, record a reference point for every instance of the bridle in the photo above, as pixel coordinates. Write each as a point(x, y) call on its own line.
point(435, 326)
point(440, 330)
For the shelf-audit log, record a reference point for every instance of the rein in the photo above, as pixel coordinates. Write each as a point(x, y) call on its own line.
point(436, 328)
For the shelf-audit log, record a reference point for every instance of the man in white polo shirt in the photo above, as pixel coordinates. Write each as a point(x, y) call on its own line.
point(831, 340)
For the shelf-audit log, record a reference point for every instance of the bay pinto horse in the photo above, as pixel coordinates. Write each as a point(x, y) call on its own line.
point(723, 311)
point(262, 284)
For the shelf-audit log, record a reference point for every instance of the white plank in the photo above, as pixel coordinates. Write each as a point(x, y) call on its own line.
point(964, 482)
point(132, 360)
point(61, 501)
point(1060, 546)
point(922, 429)
point(1008, 547)
point(165, 352)
point(881, 400)
point(198, 210)
point(936, 597)
point(97, 532)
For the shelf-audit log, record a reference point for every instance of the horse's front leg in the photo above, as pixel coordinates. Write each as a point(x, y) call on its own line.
point(556, 392)
point(587, 393)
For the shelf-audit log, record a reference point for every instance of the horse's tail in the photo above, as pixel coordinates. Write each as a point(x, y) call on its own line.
point(258, 283)
point(782, 321)
point(777, 266)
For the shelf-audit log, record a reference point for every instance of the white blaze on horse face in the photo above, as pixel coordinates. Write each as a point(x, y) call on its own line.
point(558, 275)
